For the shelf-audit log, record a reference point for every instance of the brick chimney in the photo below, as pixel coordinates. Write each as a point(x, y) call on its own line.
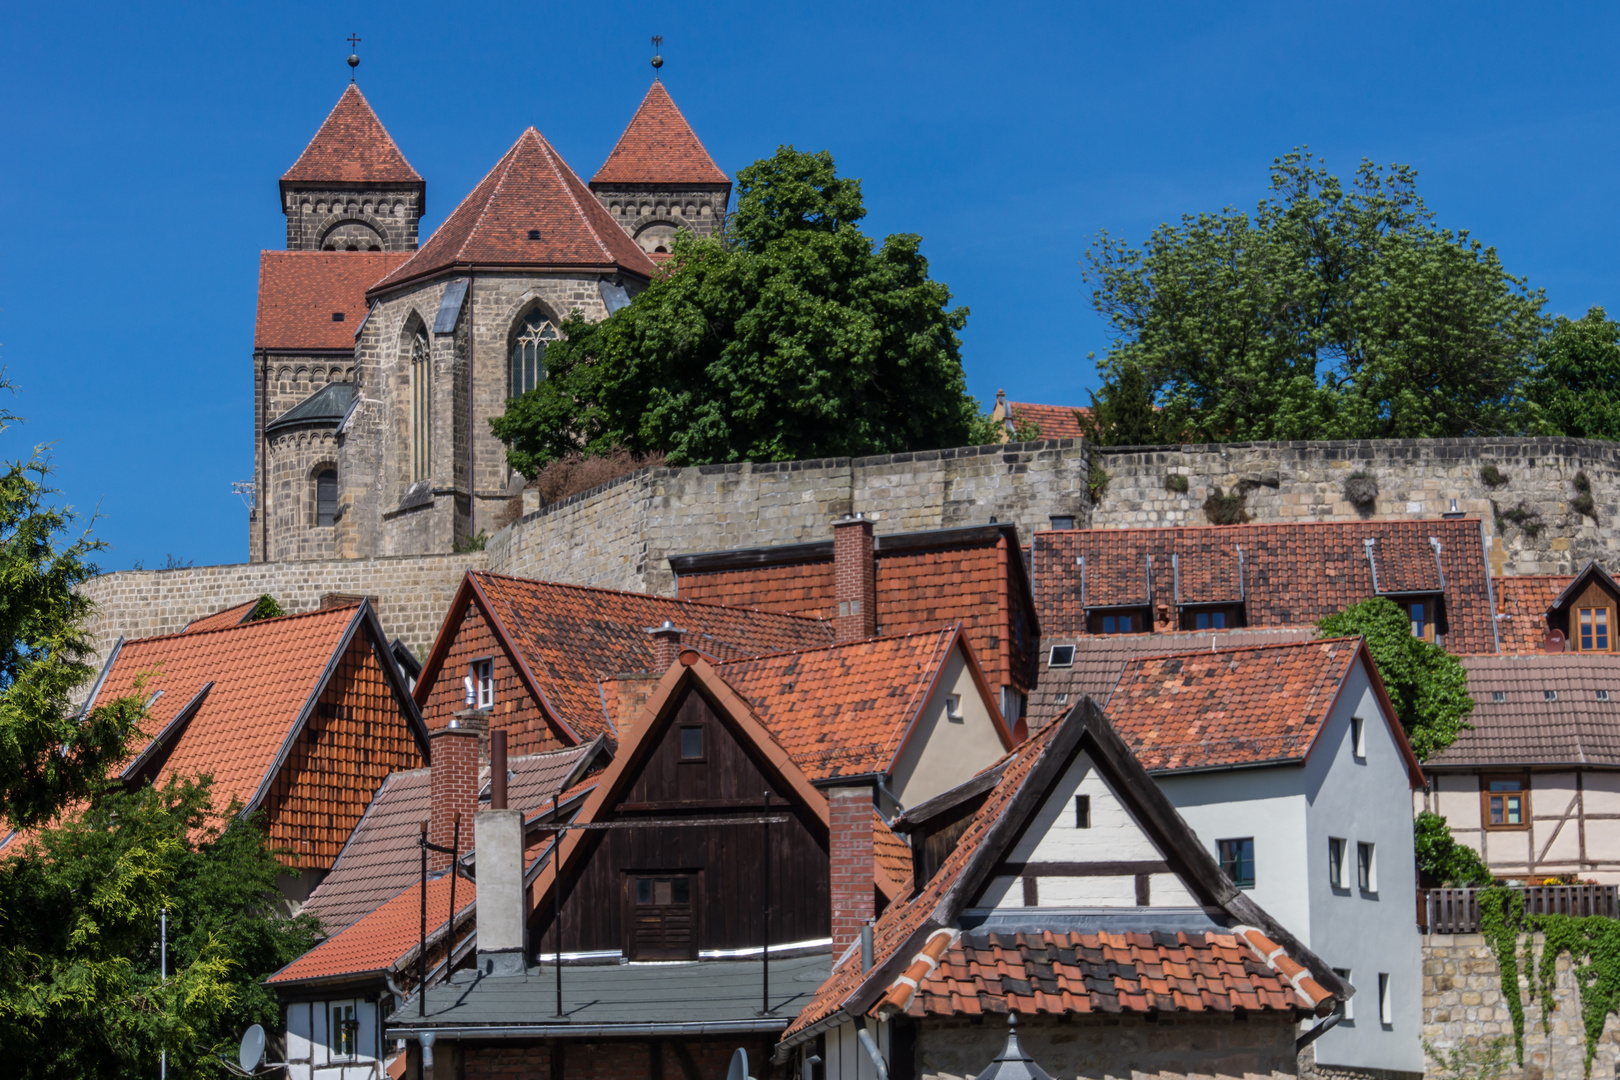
point(855, 579)
point(452, 788)
point(850, 850)
point(666, 646)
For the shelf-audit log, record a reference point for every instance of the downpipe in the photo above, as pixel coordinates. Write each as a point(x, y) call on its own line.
point(869, 1044)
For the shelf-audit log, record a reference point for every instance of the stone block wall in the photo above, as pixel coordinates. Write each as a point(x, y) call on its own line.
point(328, 218)
point(1463, 1007)
point(651, 213)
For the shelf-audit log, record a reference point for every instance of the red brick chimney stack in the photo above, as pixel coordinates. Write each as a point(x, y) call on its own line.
point(849, 808)
point(666, 645)
point(452, 788)
point(497, 769)
point(855, 579)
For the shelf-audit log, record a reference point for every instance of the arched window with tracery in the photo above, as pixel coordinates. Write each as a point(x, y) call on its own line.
point(529, 352)
point(326, 497)
point(421, 407)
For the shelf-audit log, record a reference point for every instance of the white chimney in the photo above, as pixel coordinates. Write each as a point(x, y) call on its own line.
point(502, 918)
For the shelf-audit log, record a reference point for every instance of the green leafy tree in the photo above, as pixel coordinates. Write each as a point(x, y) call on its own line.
point(1124, 413)
point(1441, 861)
point(80, 989)
point(1576, 386)
point(1426, 684)
point(791, 336)
point(1333, 311)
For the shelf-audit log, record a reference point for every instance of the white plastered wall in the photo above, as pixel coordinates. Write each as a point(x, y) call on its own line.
point(943, 752)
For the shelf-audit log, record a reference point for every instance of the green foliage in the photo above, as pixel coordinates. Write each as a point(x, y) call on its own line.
point(1227, 509)
point(1501, 913)
point(1176, 482)
point(1123, 415)
point(80, 993)
point(49, 757)
point(266, 608)
point(472, 543)
point(1333, 311)
point(1426, 684)
point(1528, 520)
point(1492, 477)
point(1441, 861)
point(1583, 503)
point(1576, 383)
point(789, 337)
point(1488, 1060)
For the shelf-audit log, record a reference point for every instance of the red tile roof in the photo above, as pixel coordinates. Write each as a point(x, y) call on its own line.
point(1055, 421)
point(893, 855)
point(1292, 574)
point(1521, 606)
point(352, 147)
point(846, 710)
point(300, 291)
point(380, 940)
point(231, 616)
point(1239, 706)
point(530, 188)
point(659, 147)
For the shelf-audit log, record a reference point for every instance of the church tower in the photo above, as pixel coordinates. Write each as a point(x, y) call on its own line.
point(659, 178)
point(351, 189)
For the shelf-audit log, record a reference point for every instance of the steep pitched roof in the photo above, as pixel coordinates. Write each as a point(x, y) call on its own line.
point(328, 405)
point(1286, 574)
point(659, 147)
point(565, 639)
point(1522, 603)
point(845, 710)
point(384, 938)
point(302, 292)
point(231, 616)
point(1550, 713)
point(1240, 706)
point(530, 188)
point(911, 938)
point(352, 147)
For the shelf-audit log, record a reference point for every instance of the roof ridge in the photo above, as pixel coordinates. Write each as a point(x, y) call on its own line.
point(648, 596)
point(197, 635)
point(835, 645)
point(1242, 648)
point(1276, 525)
point(504, 165)
point(552, 157)
point(935, 660)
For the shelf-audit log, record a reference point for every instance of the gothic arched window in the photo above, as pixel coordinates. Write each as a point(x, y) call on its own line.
point(421, 408)
point(326, 497)
point(529, 351)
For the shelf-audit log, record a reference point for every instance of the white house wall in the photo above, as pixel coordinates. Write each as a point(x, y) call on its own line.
point(845, 1059)
point(308, 1057)
point(941, 752)
point(1573, 818)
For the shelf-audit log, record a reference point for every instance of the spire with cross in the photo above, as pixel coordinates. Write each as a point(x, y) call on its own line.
point(354, 55)
point(657, 61)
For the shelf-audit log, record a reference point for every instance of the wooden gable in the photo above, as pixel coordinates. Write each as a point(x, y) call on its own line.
point(666, 890)
point(1595, 592)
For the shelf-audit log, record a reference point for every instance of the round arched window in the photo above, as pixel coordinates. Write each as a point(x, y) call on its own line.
point(326, 497)
point(529, 351)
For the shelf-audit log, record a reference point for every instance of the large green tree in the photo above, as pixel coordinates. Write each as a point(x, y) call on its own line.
point(1332, 310)
point(790, 336)
point(1426, 684)
point(1576, 385)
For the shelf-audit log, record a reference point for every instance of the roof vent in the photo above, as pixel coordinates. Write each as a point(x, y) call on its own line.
point(534, 234)
point(337, 316)
point(1549, 695)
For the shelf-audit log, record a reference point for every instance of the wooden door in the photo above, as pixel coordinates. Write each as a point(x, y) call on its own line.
point(661, 915)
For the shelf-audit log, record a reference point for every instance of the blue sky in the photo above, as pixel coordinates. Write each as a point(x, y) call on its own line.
point(142, 144)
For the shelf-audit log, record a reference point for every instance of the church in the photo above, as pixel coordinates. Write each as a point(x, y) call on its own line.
point(378, 361)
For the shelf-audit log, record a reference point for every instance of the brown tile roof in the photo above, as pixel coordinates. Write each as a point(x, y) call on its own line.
point(231, 616)
point(1293, 574)
point(1527, 727)
point(1239, 706)
point(530, 188)
point(1521, 608)
point(845, 710)
point(659, 147)
point(379, 941)
point(1056, 421)
point(300, 291)
point(352, 147)
point(1098, 660)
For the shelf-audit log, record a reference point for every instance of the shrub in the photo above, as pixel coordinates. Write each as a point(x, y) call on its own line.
point(1175, 482)
point(1361, 488)
point(1223, 509)
point(1583, 503)
point(266, 608)
point(574, 473)
point(1492, 477)
point(1528, 520)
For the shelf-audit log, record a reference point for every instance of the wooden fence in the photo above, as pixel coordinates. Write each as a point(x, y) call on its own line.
point(1456, 911)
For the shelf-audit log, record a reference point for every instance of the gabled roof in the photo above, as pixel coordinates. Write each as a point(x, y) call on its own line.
point(530, 188)
point(231, 616)
point(659, 147)
point(328, 405)
point(1590, 572)
point(300, 292)
point(352, 147)
point(1528, 727)
point(911, 938)
point(1056, 421)
point(1238, 707)
point(846, 710)
point(385, 938)
point(1290, 574)
point(566, 639)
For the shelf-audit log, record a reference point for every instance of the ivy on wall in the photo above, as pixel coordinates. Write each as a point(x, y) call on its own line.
point(1591, 942)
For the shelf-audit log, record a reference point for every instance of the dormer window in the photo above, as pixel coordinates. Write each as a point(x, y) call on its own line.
point(1126, 621)
point(1225, 617)
point(1594, 629)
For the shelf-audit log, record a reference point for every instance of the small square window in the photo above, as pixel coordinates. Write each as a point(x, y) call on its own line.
point(1386, 1012)
point(1498, 697)
point(483, 673)
point(1349, 1005)
point(1366, 869)
point(1336, 848)
point(534, 234)
point(1082, 811)
point(953, 707)
point(1061, 521)
point(1237, 860)
point(1358, 737)
point(1549, 695)
point(337, 316)
point(1061, 656)
point(1063, 699)
point(691, 744)
point(1504, 800)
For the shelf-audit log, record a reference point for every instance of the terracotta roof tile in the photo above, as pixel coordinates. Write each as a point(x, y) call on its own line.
point(1521, 607)
point(1233, 707)
point(530, 188)
point(231, 616)
point(1292, 574)
point(1527, 727)
point(1056, 421)
point(893, 855)
point(300, 291)
point(352, 147)
point(382, 938)
point(659, 147)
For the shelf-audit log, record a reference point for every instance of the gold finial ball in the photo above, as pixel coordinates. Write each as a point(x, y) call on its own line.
point(354, 60)
point(657, 61)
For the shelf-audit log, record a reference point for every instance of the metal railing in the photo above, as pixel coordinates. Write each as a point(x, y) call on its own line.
point(1456, 911)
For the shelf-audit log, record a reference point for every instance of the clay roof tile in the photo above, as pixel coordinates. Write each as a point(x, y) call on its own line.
point(659, 147)
point(352, 147)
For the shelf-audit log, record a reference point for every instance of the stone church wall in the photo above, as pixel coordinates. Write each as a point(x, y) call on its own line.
point(293, 457)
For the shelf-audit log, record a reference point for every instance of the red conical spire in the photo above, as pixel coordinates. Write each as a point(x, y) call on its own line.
point(659, 147)
point(352, 147)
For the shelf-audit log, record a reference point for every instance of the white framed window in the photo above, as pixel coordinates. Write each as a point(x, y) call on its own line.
point(1358, 738)
point(1366, 868)
point(1350, 1004)
point(342, 1031)
point(483, 677)
point(1336, 853)
point(1061, 656)
point(1386, 1011)
point(953, 706)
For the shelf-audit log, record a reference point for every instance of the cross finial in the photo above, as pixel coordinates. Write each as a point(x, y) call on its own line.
point(354, 55)
point(657, 61)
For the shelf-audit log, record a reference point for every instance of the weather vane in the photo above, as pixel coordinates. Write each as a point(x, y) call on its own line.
point(354, 55)
point(658, 43)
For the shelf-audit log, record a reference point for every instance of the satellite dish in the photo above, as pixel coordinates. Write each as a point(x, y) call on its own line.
point(739, 1065)
point(251, 1052)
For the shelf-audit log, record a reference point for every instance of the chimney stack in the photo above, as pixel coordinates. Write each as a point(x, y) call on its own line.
point(452, 787)
point(855, 579)
point(849, 812)
point(502, 900)
point(497, 769)
point(666, 645)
